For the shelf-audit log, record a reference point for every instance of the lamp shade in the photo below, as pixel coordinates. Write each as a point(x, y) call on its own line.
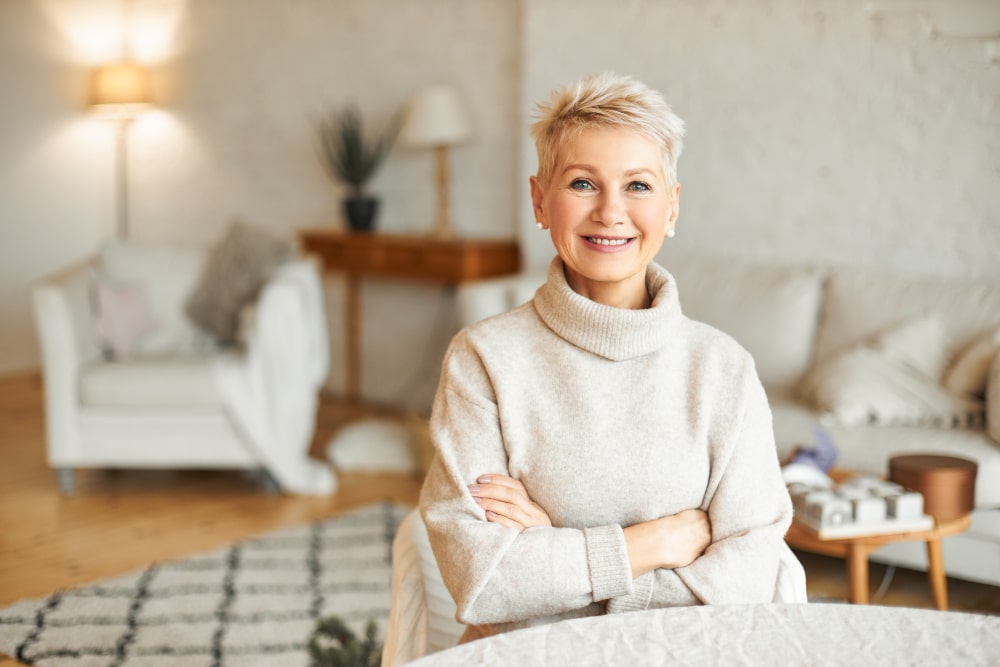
point(436, 117)
point(122, 85)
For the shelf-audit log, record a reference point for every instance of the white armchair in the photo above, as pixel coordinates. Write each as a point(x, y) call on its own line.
point(180, 401)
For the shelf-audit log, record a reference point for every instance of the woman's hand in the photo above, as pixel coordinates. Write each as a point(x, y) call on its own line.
point(507, 503)
point(668, 542)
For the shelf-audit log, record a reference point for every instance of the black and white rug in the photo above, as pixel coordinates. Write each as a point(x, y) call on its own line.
point(253, 603)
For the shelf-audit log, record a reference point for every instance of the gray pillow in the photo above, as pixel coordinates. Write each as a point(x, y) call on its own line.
point(234, 273)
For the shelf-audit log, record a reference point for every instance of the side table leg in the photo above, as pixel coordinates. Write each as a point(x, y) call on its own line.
point(935, 571)
point(857, 573)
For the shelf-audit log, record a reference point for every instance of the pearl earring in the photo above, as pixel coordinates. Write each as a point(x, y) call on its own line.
point(538, 223)
point(670, 233)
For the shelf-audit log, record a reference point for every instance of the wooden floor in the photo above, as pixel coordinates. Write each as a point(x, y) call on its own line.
point(118, 521)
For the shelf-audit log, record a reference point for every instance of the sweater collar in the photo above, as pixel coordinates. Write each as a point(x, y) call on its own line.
point(612, 333)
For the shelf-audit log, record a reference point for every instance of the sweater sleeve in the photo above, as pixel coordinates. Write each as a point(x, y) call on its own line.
point(494, 573)
point(750, 510)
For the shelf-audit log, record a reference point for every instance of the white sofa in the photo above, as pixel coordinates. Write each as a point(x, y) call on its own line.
point(794, 317)
point(178, 400)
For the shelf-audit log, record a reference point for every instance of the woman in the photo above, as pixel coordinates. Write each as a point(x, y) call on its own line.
point(597, 451)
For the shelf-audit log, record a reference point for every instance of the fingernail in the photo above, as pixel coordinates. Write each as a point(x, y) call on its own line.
point(485, 479)
point(474, 488)
point(478, 500)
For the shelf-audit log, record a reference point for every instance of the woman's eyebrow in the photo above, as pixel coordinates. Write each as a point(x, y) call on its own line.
point(591, 169)
point(579, 165)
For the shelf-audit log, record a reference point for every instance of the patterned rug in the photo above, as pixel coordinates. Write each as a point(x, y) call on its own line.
point(253, 603)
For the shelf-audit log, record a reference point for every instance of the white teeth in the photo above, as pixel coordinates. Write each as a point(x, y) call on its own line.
point(594, 239)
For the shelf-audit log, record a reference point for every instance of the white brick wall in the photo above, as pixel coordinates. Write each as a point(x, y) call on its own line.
point(817, 131)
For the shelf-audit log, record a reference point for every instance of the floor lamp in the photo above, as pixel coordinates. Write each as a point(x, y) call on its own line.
point(120, 91)
point(437, 119)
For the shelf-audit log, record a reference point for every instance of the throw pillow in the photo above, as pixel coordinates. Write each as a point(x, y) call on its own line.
point(123, 318)
point(167, 272)
point(967, 374)
point(234, 273)
point(880, 384)
point(918, 344)
point(993, 400)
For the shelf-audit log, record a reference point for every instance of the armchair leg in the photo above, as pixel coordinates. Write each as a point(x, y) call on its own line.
point(64, 476)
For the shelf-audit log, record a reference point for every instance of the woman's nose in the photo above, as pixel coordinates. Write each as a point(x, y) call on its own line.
point(610, 209)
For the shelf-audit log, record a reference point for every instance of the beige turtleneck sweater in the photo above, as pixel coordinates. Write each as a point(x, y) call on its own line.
point(609, 417)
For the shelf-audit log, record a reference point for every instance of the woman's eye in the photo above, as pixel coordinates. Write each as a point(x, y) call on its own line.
point(639, 186)
point(581, 184)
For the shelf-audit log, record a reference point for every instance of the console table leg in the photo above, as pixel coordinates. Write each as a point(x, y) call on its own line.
point(935, 571)
point(352, 314)
point(857, 573)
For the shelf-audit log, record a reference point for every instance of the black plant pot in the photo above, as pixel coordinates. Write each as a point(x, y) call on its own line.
point(360, 213)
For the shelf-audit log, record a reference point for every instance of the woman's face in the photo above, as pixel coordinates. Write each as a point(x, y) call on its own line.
point(608, 207)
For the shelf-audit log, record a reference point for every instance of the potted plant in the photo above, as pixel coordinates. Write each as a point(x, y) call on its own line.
point(333, 644)
point(353, 160)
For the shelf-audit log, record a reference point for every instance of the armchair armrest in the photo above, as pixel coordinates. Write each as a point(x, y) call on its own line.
point(289, 319)
point(272, 391)
point(63, 324)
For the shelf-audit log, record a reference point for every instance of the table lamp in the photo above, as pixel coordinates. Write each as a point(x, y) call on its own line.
point(120, 90)
point(437, 119)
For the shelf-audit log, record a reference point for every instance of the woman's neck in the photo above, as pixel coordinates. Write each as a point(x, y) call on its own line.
point(630, 294)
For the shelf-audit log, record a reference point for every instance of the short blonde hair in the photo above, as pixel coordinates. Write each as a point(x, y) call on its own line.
point(606, 100)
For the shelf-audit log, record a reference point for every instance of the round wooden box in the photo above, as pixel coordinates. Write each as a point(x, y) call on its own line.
point(947, 483)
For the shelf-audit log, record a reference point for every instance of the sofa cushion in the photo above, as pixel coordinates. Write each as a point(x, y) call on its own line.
point(864, 386)
point(477, 300)
point(238, 266)
point(891, 380)
point(772, 311)
point(918, 344)
point(860, 304)
point(165, 382)
point(166, 273)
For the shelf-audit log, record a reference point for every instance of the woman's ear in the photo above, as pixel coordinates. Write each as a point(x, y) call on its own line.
point(675, 208)
point(538, 200)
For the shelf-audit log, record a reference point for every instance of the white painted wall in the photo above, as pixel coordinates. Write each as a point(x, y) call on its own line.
point(818, 131)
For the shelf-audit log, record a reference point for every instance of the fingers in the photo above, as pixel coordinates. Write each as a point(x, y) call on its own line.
point(506, 502)
point(501, 511)
point(493, 517)
point(682, 537)
point(691, 535)
point(499, 487)
point(502, 481)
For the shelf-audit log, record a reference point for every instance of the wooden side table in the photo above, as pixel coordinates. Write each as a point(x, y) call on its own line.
point(449, 262)
point(856, 550)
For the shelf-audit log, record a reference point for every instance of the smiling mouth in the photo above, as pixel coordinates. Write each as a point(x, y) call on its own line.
point(605, 241)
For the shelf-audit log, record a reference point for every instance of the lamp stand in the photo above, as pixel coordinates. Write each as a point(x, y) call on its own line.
point(442, 228)
point(121, 178)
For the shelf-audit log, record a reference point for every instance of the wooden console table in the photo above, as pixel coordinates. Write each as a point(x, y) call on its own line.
point(422, 258)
